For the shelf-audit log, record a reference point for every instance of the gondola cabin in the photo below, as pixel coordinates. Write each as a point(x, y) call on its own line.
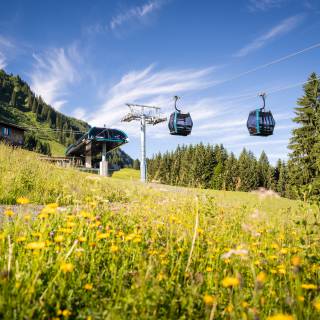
point(261, 122)
point(180, 124)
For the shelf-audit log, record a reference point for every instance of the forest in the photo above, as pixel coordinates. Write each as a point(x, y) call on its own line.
point(19, 105)
point(213, 167)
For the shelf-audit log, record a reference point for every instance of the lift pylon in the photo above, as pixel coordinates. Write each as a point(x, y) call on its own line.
point(146, 115)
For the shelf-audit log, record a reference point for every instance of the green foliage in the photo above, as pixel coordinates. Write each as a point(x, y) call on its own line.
point(212, 167)
point(19, 105)
point(136, 164)
point(23, 174)
point(305, 141)
point(104, 248)
point(33, 143)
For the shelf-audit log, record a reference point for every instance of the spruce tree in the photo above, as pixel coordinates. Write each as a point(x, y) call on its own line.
point(305, 141)
point(13, 100)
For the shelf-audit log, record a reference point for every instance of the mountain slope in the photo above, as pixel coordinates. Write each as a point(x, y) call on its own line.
point(19, 105)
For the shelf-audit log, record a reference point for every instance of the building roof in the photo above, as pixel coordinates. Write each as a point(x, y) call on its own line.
point(8, 124)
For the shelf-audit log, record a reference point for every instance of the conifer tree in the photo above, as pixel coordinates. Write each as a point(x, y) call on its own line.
point(304, 158)
point(13, 99)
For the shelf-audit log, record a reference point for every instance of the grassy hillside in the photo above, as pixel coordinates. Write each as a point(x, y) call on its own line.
point(127, 174)
point(19, 105)
point(27, 120)
point(108, 248)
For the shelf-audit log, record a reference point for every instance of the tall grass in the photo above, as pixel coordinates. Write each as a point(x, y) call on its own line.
point(150, 253)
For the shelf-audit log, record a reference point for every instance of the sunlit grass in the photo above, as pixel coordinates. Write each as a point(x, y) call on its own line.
point(127, 174)
point(110, 249)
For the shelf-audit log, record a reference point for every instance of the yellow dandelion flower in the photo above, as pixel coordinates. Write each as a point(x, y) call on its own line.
point(261, 277)
point(230, 282)
point(21, 239)
point(137, 240)
point(9, 213)
point(309, 286)
point(229, 308)
point(36, 245)
point(70, 224)
point(88, 286)
point(66, 313)
point(48, 210)
point(36, 234)
point(52, 205)
point(114, 248)
point(316, 303)
point(65, 230)
point(245, 304)
point(284, 251)
point(85, 214)
point(42, 215)
point(59, 238)
point(300, 298)
point(22, 200)
point(296, 261)
point(82, 239)
point(66, 267)
point(208, 269)
point(281, 316)
point(200, 231)
point(161, 276)
point(27, 217)
point(120, 234)
point(209, 300)
point(103, 236)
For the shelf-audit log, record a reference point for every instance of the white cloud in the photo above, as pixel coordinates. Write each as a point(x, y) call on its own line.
point(6, 46)
point(79, 113)
point(2, 61)
point(151, 87)
point(135, 13)
point(53, 72)
point(282, 28)
point(264, 5)
point(5, 42)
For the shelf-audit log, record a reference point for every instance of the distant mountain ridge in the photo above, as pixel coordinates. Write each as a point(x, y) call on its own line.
point(49, 131)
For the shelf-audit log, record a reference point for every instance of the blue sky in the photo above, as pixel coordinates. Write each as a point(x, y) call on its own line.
point(88, 58)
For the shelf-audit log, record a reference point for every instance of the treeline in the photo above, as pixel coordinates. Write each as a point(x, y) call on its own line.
point(33, 143)
point(119, 158)
point(16, 93)
point(213, 167)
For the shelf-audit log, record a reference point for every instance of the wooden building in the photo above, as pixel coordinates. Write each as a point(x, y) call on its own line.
point(11, 134)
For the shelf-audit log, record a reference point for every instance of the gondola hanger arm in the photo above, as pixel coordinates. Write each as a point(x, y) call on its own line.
point(263, 96)
point(176, 98)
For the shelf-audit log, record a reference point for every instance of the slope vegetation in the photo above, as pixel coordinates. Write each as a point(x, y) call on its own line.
point(145, 252)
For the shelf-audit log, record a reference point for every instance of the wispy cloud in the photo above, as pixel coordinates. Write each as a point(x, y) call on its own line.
point(6, 46)
point(53, 72)
point(151, 87)
point(264, 5)
point(135, 13)
point(2, 61)
point(282, 28)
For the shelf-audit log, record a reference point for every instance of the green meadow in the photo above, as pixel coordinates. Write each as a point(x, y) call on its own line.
point(79, 246)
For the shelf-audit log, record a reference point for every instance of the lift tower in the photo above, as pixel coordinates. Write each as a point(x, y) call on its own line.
point(146, 115)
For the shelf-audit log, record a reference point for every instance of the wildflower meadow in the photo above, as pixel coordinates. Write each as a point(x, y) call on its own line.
point(77, 246)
